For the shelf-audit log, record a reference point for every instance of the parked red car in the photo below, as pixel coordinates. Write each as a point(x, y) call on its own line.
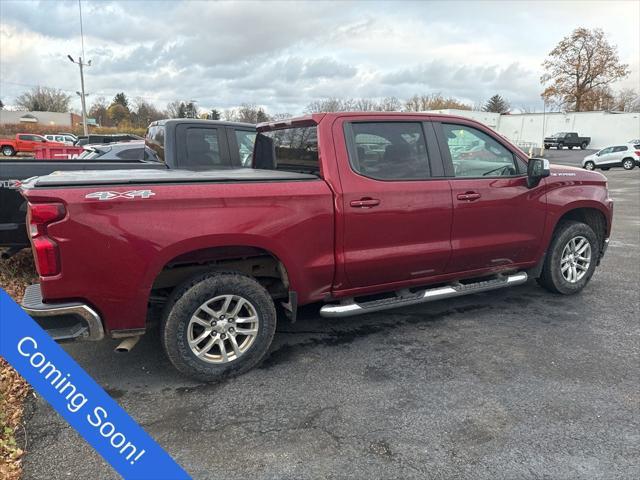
point(359, 211)
point(25, 142)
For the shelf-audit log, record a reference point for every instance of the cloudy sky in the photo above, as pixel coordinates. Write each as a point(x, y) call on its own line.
point(284, 55)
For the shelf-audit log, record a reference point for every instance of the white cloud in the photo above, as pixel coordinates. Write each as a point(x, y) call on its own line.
point(285, 54)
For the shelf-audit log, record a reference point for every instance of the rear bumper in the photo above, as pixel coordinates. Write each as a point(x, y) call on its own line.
point(66, 321)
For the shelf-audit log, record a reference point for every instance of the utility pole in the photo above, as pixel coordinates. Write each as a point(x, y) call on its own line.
point(82, 94)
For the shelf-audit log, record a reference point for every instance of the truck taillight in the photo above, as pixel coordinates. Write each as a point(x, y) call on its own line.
point(44, 248)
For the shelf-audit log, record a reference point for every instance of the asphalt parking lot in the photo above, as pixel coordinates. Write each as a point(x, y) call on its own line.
point(516, 383)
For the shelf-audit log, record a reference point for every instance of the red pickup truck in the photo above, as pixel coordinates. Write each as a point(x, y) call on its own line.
point(25, 142)
point(359, 211)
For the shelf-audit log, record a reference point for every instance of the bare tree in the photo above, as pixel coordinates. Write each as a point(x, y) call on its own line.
point(434, 101)
point(98, 111)
point(580, 66)
point(390, 104)
point(248, 113)
point(330, 104)
point(44, 99)
point(144, 113)
point(627, 100)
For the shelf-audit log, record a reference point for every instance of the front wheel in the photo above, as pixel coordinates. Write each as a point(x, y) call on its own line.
point(218, 325)
point(590, 165)
point(559, 146)
point(571, 259)
point(628, 164)
point(8, 151)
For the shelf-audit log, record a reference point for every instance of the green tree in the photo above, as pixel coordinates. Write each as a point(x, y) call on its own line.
point(118, 114)
point(44, 99)
point(580, 69)
point(121, 99)
point(496, 104)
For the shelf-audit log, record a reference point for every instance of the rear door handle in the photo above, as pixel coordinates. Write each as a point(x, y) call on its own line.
point(365, 203)
point(469, 196)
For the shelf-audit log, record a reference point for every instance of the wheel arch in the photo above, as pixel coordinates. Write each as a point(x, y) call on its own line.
point(591, 213)
point(249, 256)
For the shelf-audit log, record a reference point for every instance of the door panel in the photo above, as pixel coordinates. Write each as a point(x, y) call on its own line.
point(503, 226)
point(396, 226)
point(497, 220)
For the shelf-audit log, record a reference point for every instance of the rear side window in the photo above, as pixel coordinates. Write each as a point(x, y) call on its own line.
point(388, 150)
point(131, 153)
point(203, 148)
point(155, 140)
point(476, 154)
point(246, 140)
point(620, 149)
point(290, 149)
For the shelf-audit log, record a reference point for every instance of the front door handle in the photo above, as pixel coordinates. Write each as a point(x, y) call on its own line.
point(365, 203)
point(469, 196)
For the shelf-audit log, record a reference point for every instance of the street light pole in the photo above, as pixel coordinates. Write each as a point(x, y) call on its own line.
point(82, 94)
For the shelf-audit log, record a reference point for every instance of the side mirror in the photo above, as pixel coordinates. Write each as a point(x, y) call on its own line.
point(537, 169)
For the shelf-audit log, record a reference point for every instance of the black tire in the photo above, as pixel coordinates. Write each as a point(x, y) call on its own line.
point(628, 163)
point(570, 147)
point(186, 300)
point(546, 147)
point(590, 165)
point(551, 277)
point(8, 151)
point(583, 145)
point(559, 146)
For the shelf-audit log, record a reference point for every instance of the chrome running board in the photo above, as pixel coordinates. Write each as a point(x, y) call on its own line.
point(404, 298)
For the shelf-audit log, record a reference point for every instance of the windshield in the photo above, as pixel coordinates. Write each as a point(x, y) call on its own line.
point(559, 134)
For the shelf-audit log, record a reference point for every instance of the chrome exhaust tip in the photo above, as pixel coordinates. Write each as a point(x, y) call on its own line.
point(127, 344)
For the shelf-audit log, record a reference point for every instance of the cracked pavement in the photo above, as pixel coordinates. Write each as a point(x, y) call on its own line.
point(515, 383)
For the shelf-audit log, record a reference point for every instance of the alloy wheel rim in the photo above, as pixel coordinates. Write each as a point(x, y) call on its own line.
point(576, 259)
point(589, 166)
point(223, 328)
point(627, 164)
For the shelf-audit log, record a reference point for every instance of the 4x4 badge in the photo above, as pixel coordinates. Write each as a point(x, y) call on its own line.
point(111, 195)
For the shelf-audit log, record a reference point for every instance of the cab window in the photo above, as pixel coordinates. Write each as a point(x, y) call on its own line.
point(388, 150)
point(476, 154)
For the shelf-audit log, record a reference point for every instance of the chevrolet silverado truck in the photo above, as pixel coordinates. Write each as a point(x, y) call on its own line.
point(361, 212)
point(566, 139)
point(222, 144)
point(24, 143)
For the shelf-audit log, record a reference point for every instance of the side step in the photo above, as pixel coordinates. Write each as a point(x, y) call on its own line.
point(403, 299)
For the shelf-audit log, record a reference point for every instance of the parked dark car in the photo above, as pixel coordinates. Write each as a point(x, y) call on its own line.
point(119, 151)
point(97, 138)
point(220, 145)
point(566, 139)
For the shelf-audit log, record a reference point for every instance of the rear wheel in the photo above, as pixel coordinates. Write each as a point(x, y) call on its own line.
point(570, 147)
point(218, 325)
point(546, 146)
point(559, 146)
point(628, 164)
point(583, 145)
point(8, 151)
point(590, 165)
point(571, 259)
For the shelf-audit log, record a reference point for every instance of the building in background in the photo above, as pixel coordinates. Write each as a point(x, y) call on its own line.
point(528, 129)
point(41, 118)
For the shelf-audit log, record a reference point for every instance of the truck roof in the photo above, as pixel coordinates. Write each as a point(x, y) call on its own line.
point(169, 121)
point(315, 118)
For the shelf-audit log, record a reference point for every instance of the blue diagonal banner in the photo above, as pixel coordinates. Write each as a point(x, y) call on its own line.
point(79, 399)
